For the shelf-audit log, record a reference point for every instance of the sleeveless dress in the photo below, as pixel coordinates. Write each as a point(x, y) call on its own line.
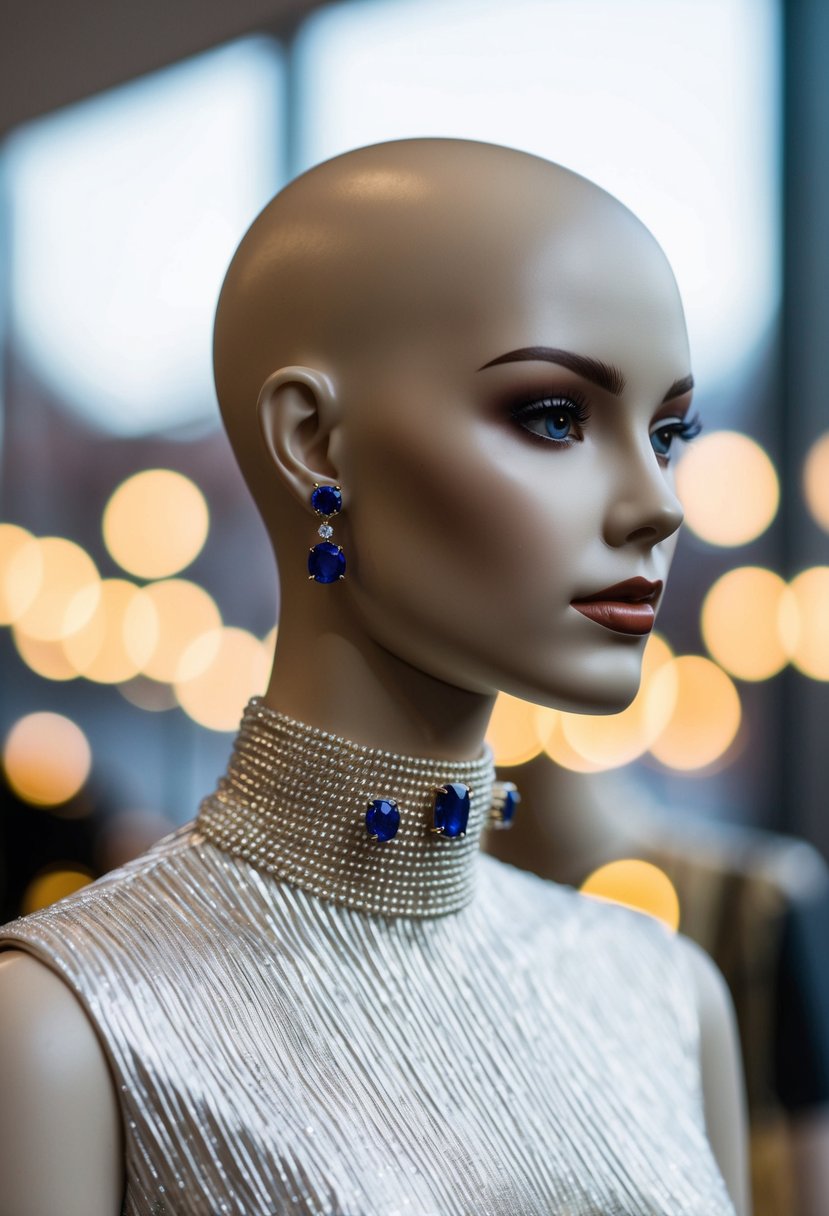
point(484, 1044)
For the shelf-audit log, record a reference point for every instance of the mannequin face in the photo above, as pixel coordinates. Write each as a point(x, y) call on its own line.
point(488, 486)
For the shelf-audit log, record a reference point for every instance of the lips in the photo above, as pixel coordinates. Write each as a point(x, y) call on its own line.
point(628, 607)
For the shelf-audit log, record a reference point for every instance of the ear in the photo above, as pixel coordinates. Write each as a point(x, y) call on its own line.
point(298, 414)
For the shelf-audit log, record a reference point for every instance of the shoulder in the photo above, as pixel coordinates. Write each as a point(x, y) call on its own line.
point(42, 1019)
point(713, 1000)
point(58, 1095)
point(92, 908)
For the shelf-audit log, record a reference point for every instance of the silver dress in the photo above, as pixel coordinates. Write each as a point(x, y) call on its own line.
point(304, 1020)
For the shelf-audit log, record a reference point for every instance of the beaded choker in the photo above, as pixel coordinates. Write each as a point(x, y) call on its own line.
point(294, 803)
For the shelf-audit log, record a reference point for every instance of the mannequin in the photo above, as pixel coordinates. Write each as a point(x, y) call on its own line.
point(755, 901)
point(488, 355)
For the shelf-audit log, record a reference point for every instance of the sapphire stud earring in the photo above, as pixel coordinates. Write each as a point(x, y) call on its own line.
point(505, 798)
point(326, 561)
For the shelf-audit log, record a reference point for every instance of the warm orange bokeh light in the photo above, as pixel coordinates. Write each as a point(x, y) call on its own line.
point(155, 523)
point(51, 885)
point(706, 715)
point(810, 650)
point(47, 758)
point(147, 694)
point(728, 488)
point(636, 884)
point(20, 576)
point(218, 673)
point(46, 659)
point(67, 592)
point(184, 611)
point(816, 481)
point(748, 622)
point(119, 636)
point(512, 730)
point(610, 740)
point(549, 726)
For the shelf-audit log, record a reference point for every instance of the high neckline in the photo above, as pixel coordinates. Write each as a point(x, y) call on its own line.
point(293, 803)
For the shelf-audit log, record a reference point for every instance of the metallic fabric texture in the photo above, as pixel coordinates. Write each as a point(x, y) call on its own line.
point(488, 1045)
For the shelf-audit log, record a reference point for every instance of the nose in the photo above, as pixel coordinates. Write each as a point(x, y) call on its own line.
point(644, 510)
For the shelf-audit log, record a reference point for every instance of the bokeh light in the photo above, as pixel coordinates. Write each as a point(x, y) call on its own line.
point(610, 740)
point(512, 733)
point(19, 582)
point(47, 758)
point(549, 726)
point(155, 523)
point(53, 884)
point(218, 674)
point(118, 638)
point(184, 611)
point(45, 659)
point(706, 715)
point(749, 622)
point(728, 487)
point(147, 694)
point(123, 229)
point(810, 651)
point(67, 590)
point(636, 884)
point(816, 481)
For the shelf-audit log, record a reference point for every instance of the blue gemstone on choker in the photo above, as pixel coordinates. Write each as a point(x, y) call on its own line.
point(511, 800)
point(382, 818)
point(326, 562)
point(451, 809)
point(327, 500)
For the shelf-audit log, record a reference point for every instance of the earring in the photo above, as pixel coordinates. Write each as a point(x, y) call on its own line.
point(505, 798)
point(326, 561)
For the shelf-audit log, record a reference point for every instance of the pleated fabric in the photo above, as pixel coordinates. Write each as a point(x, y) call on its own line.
point(535, 1052)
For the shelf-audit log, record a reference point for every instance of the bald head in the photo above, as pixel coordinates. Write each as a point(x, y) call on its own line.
point(376, 249)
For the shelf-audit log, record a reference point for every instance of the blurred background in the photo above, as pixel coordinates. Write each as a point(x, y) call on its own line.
point(137, 594)
point(138, 601)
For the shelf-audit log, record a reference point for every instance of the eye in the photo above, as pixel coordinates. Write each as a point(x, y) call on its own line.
point(557, 419)
point(667, 430)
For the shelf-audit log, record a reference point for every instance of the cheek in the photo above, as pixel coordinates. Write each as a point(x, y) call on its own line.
point(468, 528)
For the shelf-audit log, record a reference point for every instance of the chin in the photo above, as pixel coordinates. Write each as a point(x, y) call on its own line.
point(605, 684)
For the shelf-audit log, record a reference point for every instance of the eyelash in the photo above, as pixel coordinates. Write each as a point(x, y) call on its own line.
point(684, 429)
point(574, 406)
point(576, 409)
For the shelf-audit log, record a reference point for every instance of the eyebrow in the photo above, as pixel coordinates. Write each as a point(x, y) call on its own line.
point(605, 375)
point(679, 388)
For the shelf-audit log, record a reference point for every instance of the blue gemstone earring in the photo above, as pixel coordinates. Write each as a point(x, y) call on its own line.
point(326, 561)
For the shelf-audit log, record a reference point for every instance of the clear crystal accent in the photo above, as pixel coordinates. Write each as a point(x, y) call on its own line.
point(325, 531)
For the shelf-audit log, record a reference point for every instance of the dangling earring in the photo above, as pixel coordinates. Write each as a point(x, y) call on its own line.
point(326, 561)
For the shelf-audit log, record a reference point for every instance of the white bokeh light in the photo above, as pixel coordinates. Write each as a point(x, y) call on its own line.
point(669, 104)
point(125, 211)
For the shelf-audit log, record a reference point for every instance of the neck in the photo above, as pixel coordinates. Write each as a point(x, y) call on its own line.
point(332, 675)
point(294, 803)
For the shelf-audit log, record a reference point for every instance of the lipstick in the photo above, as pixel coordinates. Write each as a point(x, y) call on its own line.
point(628, 607)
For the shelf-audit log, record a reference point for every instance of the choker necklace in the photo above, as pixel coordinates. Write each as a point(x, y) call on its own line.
point(294, 802)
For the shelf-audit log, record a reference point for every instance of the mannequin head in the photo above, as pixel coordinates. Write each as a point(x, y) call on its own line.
point(360, 340)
